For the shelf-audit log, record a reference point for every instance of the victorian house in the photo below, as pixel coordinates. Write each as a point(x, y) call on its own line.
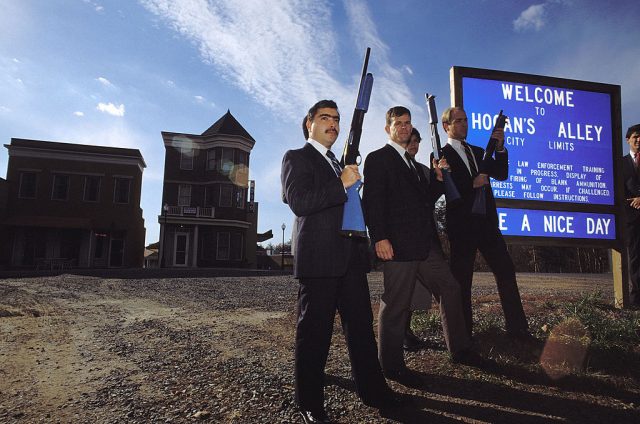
point(208, 216)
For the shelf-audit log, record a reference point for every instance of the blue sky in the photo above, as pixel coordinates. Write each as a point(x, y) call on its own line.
point(117, 73)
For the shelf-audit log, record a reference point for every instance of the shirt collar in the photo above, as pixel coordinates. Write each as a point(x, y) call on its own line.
point(319, 147)
point(401, 150)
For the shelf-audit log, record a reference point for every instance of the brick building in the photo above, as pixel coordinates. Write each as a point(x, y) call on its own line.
point(208, 216)
point(72, 205)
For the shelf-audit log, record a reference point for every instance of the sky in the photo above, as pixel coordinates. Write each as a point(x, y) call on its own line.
point(118, 72)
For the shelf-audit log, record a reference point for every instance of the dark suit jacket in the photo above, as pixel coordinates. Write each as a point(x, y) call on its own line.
point(316, 196)
point(396, 206)
point(459, 217)
point(631, 187)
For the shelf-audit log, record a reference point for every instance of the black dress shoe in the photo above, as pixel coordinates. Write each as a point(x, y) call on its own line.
point(521, 336)
point(310, 417)
point(389, 401)
point(404, 376)
point(413, 343)
point(468, 357)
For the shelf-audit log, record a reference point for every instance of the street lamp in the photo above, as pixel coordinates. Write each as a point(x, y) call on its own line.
point(282, 251)
point(165, 210)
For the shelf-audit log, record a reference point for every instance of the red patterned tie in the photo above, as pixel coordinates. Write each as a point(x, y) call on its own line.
point(636, 158)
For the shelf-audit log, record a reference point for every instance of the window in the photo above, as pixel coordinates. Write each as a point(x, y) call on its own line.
point(186, 158)
point(27, 185)
point(236, 246)
point(121, 190)
point(91, 189)
point(240, 197)
point(226, 161)
point(226, 195)
point(211, 159)
point(184, 195)
point(210, 195)
point(243, 158)
point(222, 253)
point(60, 187)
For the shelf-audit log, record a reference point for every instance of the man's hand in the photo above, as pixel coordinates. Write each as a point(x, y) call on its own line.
point(384, 250)
point(349, 176)
point(635, 202)
point(480, 180)
point(498, 134)
point(439, 166)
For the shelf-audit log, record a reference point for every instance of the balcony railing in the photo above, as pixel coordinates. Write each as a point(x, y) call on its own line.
point(196, 211)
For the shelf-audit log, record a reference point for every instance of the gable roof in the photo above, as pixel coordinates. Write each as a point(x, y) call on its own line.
point(229, 125)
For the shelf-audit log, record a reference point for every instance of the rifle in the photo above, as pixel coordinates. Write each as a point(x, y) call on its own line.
point(353, 219)
point(451, 193)
point(480, 201)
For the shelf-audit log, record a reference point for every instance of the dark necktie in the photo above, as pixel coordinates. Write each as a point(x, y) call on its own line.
point(413, 165)
point(334, 162)
point(472, 163)
point(636, 158)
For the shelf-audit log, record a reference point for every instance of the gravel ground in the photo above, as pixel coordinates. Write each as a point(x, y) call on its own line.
point(104, 350)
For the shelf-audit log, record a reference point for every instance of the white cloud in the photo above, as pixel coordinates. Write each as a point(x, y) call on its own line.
point(111, 109)
point(104, 81)
point(78, 113)
point(277, 61)
point(532, 17)
point(289, 58)
point(408, 69)
point(199, 99)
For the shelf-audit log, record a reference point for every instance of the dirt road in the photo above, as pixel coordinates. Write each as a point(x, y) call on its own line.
point(100, 350)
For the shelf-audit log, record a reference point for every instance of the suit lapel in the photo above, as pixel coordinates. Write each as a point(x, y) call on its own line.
point(321, 163)
point(401, 165)
point(454, 160)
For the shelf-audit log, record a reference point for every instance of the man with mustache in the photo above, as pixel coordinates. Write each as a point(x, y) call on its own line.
point(330, 268)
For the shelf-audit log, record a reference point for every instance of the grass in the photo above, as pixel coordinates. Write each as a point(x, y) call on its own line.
point(580, 335)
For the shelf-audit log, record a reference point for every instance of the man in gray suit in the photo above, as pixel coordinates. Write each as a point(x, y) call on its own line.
point(398, 211)
point(331, 269)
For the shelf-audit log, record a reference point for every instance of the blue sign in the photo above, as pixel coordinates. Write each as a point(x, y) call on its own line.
point(558, 224)
point(559, 140)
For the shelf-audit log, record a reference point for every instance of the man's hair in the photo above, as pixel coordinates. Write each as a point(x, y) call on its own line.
point(305, 131)
point(321, 104)
point(397, 111)
point(633, 129)
point(416, 133)
point(446, 115)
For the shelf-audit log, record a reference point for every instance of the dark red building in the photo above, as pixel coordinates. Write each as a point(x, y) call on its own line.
point(208, 215)
point(72, 205)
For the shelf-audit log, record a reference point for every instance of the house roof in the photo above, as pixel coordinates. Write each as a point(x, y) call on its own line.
point(72, 147)
point(229, 125)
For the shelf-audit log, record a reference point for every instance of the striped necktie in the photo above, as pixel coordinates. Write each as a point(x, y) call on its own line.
point(334, 162)
point(472, 163)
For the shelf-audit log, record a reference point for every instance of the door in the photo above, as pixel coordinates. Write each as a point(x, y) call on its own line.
point(181, 250)
point(116, 253)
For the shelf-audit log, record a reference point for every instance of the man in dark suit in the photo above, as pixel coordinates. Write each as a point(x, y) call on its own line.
point(398, 211)
point(470, 232)
point(631, 177)
point(331, 269)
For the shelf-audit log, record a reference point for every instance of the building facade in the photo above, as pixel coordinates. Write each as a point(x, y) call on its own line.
point(73, 205)
point(208, 216)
